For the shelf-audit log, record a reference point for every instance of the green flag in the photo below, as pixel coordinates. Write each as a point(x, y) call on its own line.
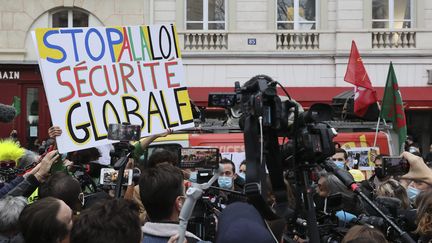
point(17, 105)
point(392, 107)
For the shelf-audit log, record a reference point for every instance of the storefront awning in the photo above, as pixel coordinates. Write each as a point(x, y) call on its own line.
point(415, 98)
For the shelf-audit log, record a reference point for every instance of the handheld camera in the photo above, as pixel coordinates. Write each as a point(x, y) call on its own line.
point(395, 165)
point(110, 176)
point(124, 132)
point(199, 157)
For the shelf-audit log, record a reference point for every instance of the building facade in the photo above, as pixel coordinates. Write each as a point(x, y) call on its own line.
point(304, 44)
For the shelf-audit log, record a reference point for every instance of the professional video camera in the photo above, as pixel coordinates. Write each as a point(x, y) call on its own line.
point(265, 117)
point(258, 98)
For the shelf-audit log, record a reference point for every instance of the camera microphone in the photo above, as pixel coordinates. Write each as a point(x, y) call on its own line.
point(343, 175)
point(7, 113)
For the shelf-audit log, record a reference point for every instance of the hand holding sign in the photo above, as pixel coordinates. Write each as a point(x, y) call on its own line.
point(97, 76)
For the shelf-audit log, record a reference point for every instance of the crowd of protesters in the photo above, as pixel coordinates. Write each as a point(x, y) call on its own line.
point(42, 205)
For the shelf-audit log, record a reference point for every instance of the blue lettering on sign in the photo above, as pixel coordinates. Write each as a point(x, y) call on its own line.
point(251, 41)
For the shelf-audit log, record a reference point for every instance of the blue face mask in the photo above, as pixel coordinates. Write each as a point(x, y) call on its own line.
point(193, 176)
point(225, 182)
point(412, 192)
point(242, 175)
point(339, 164)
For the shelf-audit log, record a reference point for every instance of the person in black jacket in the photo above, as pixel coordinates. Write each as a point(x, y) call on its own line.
point(376, 179)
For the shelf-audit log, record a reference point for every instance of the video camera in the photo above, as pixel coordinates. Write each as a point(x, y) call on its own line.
point(265, 117)
point(258, 97)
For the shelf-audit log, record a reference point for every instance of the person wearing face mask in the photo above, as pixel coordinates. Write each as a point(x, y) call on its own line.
point(228, 175)
point(376, 179)
point(226, 181)
point(340, 158)
point(419, 175)
point(240, 179)
point(242, 170)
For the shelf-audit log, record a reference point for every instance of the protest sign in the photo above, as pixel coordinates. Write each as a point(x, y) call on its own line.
point(364, 156)
point(101, 75)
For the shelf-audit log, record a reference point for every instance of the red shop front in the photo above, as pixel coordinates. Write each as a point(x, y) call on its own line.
point(25, 82)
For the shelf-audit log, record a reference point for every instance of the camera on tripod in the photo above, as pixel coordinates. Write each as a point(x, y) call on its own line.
point(265, 117)
point(310, 138)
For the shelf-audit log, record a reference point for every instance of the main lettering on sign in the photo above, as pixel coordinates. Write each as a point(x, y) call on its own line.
point(97, 76)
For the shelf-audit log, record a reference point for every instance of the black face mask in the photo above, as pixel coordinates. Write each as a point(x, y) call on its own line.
point(379, 173)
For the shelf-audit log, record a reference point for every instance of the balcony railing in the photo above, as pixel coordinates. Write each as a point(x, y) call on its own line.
point(205, 41)
point(297, 41)
point(394, 39)
point(287, 42)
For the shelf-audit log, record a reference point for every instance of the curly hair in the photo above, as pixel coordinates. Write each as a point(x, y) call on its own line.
point(424, 215)
point(393, 188)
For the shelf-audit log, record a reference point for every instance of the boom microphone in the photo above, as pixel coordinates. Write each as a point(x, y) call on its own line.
point(7, 113)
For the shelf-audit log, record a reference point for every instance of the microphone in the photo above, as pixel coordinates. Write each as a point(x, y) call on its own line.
point(343, 175)
point(7, 113)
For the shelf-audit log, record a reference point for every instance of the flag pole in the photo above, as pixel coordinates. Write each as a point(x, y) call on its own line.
point(377, 126)
point(376, 131)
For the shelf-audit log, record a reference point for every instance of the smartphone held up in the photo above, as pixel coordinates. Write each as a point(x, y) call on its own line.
point(199, 157)
point(110, 176)
point(124, 132)
point(395, 166)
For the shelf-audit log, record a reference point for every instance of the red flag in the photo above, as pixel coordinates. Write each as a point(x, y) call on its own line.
point(356, 74)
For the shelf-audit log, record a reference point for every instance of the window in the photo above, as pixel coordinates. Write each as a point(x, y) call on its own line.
point(392, 14)
point(296, 14)
point(69, 18)
point(205, 14)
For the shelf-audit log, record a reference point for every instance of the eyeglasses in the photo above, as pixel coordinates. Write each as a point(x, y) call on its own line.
point(338, 159)
point(81, 198)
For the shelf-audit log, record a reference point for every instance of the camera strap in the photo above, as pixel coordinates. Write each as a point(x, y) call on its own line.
point(256, 174)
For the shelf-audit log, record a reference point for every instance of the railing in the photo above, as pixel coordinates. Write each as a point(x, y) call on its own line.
point(205, 41)
point(297, 40)
point(394, 39)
